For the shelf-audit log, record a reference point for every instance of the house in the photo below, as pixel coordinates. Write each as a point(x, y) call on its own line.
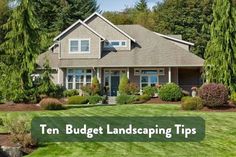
point(95, 46)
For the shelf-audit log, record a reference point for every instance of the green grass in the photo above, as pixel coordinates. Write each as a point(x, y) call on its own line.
point(220, 137)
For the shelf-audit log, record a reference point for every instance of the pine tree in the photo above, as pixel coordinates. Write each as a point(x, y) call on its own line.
point(23, 40)
point(220, 65)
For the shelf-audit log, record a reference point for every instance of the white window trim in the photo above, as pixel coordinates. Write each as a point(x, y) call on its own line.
point(149, 82)
point(116, 46)
point(140, 71)
point(79, 46)
point(74, 79)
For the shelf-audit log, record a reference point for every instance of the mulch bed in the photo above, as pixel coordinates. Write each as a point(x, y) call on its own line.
point(159, 101)
point(19, 107)
point(227, 108)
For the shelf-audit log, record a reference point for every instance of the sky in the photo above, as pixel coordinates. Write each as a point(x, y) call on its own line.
point(119, 5)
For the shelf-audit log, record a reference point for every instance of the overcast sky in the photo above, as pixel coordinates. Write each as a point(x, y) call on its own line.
point(119, 5)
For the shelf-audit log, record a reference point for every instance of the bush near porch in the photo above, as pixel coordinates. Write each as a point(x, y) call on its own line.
point(170, 92)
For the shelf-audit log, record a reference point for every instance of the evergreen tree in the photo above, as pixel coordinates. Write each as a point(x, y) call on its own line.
point(22, 43)
point(124, 81)
point(220, 65)
point(141, 6)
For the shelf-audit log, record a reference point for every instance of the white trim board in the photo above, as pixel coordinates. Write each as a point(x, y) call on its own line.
point(174, 39)
point(73, 25)
point(99, 15)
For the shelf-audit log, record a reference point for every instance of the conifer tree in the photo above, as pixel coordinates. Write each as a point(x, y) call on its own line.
point(220, 65)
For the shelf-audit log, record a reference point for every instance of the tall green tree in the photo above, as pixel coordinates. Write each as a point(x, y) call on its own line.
point(57, 15)
point(141, 5)
point(185, 17)
point(22, 43)
point(220, 65)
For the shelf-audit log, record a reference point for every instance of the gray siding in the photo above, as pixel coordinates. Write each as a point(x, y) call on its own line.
point(107, 31)
point(80, 32)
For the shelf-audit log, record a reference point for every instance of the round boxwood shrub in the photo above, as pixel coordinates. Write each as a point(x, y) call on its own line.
point(94, 99)
point(78, 100)
point(51, 104)
point(191, 103)
point(170, 92)
point(213, 94)
point(126, 99)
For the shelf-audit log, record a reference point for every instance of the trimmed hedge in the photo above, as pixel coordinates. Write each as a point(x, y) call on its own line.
point(51, 104)
point(213, 94)
point(78, 100)
point(126, 99)
point(94, 99)
point(170, 92)
point(191, 103)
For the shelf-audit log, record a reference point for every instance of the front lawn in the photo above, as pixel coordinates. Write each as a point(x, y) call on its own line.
point(220, 134)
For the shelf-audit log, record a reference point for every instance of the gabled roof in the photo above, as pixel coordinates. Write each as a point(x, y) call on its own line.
point(174, 39)
point(150, 50)
point(114, 26)
point(73, 25)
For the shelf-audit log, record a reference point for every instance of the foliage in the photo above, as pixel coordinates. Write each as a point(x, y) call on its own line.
point(78, 100)
point(220, 65)
point(64, 13)
point(51, 104)
point(20, 130)
point(126, 99)
point(233, 97)
point(213, 94)
point(189, 18)
point(191, 103)
point(95, 86)
point(142, 98)
point(94, 99)
point(141, 6)
point(132, 88)
point(149, 90)
point(170, 92)
point(71, 92)
point(124, 81)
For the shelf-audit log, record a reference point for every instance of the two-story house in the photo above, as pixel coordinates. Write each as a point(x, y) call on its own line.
point(95, 46)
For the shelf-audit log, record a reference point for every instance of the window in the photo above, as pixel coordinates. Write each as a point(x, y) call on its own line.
point(79, 46)
point(77, 78)
point(115, 43)
point(74, 46)
point(150, 80)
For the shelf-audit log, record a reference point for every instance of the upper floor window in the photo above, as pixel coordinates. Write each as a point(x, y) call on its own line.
point(115, 43)
point(79, 46)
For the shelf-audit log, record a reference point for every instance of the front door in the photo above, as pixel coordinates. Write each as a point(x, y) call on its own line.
point(115, 80)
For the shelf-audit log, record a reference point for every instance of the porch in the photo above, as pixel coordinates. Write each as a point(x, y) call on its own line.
point(75, 78)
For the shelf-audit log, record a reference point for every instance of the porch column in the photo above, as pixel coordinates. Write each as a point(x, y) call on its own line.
point(128, 73)
point(98, 70)
point(169, 75)
point(60, 74)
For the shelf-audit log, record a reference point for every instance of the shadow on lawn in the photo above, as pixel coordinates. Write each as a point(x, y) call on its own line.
point(87, 106)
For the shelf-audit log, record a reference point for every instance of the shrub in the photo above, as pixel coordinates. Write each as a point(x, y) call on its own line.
point(233, 98)
point(150, 91)
point(20, 130)
point(132, 89)
point(192, 103)
point(69, 93)
point(213, 94)
point(142, 99)
point(170, 92)
point(126, 99)
point(78, 100)
point(95, 86)
point(51, 104)
point(124, 81)
point(94, 99)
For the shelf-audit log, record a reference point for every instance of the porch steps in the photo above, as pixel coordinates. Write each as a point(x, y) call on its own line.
point(111, 100)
